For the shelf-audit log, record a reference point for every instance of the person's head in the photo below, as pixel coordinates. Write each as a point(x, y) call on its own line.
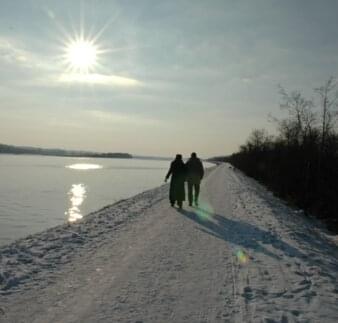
point(193, 155)
point(178, 157)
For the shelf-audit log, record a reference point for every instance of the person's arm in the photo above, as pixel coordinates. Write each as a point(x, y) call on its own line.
point(201, 170)
point(169, 172)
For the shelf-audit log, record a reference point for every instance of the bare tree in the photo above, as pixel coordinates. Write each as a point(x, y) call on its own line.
point(258, 139)
point(288, 131)
point(328, 96)
point(301, 118)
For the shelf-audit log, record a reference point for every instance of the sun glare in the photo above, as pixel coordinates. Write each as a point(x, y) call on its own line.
point(82, 58)
point(81, 55)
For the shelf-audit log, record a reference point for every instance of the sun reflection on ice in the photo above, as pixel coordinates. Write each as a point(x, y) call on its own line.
point(84, 166)
point(77, 195)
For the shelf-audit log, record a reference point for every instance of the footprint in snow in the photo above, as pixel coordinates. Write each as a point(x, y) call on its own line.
point(248, 293)
point(284, 319)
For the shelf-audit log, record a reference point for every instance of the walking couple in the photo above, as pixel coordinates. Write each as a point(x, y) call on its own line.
point(192, 171)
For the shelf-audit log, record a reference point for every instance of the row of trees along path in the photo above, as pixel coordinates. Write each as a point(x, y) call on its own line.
point(300, 162)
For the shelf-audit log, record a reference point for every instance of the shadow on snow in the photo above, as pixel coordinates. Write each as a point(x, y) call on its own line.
point(241, 233)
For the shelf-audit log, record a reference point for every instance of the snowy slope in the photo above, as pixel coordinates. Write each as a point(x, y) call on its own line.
point(242, 256)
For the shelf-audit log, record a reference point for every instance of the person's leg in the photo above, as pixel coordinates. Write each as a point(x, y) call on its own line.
point(180, 203)
point(172, 194)
point(197, 192)
point(190, 185)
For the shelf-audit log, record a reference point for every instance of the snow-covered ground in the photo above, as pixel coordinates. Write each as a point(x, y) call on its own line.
point(241, 256)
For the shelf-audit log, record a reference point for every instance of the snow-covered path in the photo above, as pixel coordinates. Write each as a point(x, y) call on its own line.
point(242, 256)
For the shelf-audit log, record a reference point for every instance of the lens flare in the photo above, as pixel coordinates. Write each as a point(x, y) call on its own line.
point(242, 257)
point(205, 211)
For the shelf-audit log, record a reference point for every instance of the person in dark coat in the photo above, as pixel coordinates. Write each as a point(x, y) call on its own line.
point(177, 171)
point(195, 173)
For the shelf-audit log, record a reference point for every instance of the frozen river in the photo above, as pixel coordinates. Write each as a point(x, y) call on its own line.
point(38, 192)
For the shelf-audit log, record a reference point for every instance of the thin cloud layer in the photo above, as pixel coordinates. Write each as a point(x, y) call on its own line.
point(99, 79)
point(10, 53)
point(176, 71)
point(119, 118)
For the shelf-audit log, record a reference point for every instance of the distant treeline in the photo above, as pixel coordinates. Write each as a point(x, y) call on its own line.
point(300, 163)
point(218, 159)
point(8, 149)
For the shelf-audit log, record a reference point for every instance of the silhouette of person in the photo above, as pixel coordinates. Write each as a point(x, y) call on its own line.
point(195, 173)
point(177, 171)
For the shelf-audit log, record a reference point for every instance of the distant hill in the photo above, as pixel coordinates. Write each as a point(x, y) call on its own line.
point(17, 150)
point(152, 157)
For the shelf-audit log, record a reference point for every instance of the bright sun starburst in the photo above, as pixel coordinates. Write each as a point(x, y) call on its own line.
point(81, 55)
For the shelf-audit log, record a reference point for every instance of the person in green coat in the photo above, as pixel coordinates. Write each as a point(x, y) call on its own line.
point(177, 171)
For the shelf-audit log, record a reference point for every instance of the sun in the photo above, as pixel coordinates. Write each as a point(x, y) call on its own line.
point(81, 55)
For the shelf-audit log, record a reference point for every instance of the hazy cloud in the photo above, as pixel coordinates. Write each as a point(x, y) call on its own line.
point(100, 79)
point(11, 53)
point(171, 75)
point(121, 119)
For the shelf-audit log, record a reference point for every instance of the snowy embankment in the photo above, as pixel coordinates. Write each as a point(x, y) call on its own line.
point(241, 256)
point(38, 256)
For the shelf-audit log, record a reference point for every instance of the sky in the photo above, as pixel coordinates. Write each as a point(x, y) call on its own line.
point(153, 77)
